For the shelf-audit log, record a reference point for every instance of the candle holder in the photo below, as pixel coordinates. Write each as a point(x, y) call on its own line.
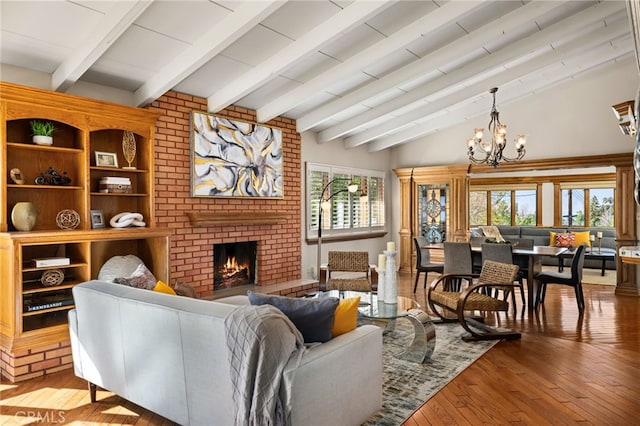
point(381, 284)
point(599, 245)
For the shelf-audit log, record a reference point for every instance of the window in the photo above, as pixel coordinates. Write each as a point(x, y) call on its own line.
point(344, 212)
point(588, 204)
point(503, 206)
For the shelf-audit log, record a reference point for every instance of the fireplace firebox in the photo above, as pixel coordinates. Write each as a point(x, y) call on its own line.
point(234, 264)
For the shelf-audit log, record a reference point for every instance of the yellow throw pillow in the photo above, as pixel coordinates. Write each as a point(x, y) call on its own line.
point(346, 316)
point(552, 239)
point(163, 288)
point(581, 238)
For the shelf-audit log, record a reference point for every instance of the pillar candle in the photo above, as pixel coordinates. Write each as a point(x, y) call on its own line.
point(382, 261)
point(599, 234)
point(391, 246)
point(592, 238)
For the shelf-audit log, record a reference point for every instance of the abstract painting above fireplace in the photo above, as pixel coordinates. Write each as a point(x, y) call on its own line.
point(232, 158)
point(234, 264)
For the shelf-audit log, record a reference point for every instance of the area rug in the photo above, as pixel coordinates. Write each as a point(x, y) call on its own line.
point(407, 385)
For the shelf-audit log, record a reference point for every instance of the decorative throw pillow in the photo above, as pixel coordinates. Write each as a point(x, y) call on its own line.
point(184, 289)
point(492, 232)
point(313, 317)
point(119, 266)
point(581, 238)
point(346, 316)
point(161, 287)
point(140, 278)
point(565, 240)
point(552, 239)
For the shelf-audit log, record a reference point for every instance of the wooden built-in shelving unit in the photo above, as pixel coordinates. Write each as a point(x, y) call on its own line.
point(83, 126)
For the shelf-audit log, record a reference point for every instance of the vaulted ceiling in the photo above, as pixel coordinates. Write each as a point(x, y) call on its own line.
point(364, 72)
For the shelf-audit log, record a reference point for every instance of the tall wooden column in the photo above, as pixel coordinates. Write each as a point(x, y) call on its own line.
point(625, 218)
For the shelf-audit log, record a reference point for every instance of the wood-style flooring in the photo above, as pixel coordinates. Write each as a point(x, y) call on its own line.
point(566, 369)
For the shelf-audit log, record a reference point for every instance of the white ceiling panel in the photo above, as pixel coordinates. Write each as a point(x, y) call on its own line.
point(143, 49)
point(212, 76)
point(415, 80)
point(34, 19)
point(400, 14)
point(309, 67)
point(256, 46)
point(201, 16)
point(390, 63)
point(21, 51)
point(296, 18)
point(352, 43)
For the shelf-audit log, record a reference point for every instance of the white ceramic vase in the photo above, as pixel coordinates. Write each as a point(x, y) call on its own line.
point(24, 215)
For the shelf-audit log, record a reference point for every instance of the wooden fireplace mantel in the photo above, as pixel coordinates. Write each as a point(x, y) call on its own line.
point(236, 218)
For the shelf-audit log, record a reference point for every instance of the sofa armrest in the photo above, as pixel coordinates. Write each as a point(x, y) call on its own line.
point(75, 344)
point(344, 374)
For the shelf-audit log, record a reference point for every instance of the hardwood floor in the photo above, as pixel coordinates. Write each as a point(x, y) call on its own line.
point(564, 370)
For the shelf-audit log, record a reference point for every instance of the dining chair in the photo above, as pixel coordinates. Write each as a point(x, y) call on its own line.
point(423, 261)
point(504, 253)
point(458, 263)
point(475, 299)
point(573, 278)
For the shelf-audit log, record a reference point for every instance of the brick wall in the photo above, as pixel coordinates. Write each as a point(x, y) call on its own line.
point(279, 254)
point(35, 362)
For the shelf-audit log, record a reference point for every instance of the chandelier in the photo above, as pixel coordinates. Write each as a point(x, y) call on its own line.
point(490, 151)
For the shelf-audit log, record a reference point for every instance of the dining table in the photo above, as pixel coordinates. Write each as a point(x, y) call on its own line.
point(532, 257)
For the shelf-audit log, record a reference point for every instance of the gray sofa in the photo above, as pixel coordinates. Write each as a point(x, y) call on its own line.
point(540, 237)
point(168, 354)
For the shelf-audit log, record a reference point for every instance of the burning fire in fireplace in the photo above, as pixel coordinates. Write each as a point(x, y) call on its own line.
point(234, 264)
point(231, 267)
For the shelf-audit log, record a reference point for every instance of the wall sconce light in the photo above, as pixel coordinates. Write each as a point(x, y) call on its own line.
point(626, 119)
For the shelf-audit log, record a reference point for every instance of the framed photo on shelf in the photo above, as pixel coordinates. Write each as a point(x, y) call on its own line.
point(106, 159)
point(97, 219)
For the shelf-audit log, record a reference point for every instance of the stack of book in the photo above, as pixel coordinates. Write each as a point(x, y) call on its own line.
point(44, 262)
point(112, 184)
point(41, 302)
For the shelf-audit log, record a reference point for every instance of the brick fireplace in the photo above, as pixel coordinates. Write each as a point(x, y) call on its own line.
point(199, 223)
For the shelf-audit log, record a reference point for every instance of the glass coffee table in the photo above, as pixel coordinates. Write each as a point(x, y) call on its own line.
point(386, 314)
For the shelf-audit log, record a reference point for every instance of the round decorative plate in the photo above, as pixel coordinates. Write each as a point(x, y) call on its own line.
point(68, 219)
point(433, 235)
point(52, 277)
point(434, 208)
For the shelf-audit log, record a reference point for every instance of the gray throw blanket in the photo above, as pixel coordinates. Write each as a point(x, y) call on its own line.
point(261, 342)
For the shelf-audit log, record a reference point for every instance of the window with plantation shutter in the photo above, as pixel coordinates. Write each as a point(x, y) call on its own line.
point(345, 213)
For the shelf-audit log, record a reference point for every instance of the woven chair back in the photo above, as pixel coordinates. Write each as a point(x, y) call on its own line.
point(497, 273)
point(349, 261)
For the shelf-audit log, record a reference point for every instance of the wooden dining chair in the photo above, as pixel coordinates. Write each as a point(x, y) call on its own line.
point(475, 299)
point(423, 261)
point(504, 253)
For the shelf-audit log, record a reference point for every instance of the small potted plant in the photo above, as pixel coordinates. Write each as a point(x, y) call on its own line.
point(42, 132)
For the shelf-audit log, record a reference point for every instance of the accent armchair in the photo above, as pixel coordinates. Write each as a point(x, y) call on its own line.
point(494, 275)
